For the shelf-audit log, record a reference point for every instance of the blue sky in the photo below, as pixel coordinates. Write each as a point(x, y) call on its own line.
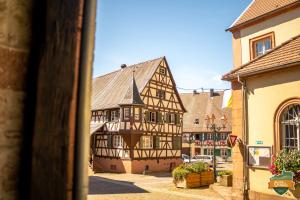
point(190, 33)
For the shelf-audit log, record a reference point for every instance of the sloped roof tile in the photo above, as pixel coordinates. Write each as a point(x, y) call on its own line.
point(109, 90)
point(198, 106)
point(260, 8)
point(285, 55)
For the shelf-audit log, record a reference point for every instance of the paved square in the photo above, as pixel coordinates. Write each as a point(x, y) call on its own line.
point(156, 186)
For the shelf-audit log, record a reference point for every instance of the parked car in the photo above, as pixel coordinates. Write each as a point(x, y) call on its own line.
point(205, 158)
point(186, 159)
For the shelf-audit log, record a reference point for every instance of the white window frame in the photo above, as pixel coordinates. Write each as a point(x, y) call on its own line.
point(147, 142)
point(126, 111)
point(210, 151)
point(223, 152)
point(172, 118)
point(117, 141)
point(290, 121)
point(114, 115)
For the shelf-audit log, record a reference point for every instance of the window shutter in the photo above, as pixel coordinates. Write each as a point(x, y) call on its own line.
point(109, 141)
point(141, 142)
point(157, 142)
point(177, 119)
point(159, 117)
point(167, 118)
point(217, 152)
point(147, 116)
point(228, 152)
point(205, 151)
point(205, 136)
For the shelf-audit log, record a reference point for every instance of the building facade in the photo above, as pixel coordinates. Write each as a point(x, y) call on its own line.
point(198, 105)
point(266, 92)
point(136, 123)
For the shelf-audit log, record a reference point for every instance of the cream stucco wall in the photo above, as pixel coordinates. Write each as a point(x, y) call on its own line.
point(285, 26)
point(265, 93)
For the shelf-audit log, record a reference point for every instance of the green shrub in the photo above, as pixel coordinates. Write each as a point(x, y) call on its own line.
point(180, 172)
point(225, 172)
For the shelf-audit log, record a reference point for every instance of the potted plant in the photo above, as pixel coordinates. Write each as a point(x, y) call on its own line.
point(192, 175)
point(225, 178)
point(290, 161)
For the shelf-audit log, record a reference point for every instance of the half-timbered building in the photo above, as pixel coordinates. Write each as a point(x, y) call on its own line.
point(198, 105)
point(136, 121)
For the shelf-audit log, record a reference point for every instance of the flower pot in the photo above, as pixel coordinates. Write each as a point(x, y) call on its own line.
point(194, 180)
point(226, 180)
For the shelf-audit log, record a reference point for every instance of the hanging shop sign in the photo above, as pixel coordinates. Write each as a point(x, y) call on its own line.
point(282, 183)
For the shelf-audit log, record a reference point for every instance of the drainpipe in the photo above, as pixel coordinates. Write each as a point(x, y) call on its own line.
point(245, 135)
point(80, 184)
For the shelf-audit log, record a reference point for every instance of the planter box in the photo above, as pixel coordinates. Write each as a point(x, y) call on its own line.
point(194, 180)
point(226, 180)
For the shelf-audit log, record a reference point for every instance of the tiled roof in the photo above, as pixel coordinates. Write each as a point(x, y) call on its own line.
point(285, 55)
point(260, 8)
point(110, 90)
point(198, 106)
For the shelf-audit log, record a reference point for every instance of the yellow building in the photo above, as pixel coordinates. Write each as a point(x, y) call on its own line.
point(266, 92)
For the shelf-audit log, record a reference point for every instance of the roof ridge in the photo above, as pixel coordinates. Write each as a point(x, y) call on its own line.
point(277, 9)
point(235, 21)
point(262, 56)
point(130, 66)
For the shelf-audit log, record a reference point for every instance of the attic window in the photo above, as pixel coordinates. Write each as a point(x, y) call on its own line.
point(261, 45)
point(162, 70)
point(196, 121)
point(160, 94)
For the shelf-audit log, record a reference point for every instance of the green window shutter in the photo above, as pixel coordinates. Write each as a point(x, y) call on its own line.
point(156, 140)
point(205, 151)
point(159, 117)
point(177, 118)
point(217, 152)
point(147, 116)
point(179, 142)
point(176, 142)
point(228, 152)
point(205, 136)
point(109, 141)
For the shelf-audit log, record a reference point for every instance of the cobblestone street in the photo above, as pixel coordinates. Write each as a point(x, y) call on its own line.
point(147, 187)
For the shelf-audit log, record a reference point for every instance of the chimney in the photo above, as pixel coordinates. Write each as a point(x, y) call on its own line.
point(123, 66)
point(211, 92)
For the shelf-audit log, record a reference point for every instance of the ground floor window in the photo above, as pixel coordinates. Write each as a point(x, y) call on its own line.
point(146, 142)
point(224, 152)
point(290, 127)
point(117, 141)
point(208, 151)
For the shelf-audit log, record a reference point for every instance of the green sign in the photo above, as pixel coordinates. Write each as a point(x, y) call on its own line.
point(259, 142)
point(282, 182)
